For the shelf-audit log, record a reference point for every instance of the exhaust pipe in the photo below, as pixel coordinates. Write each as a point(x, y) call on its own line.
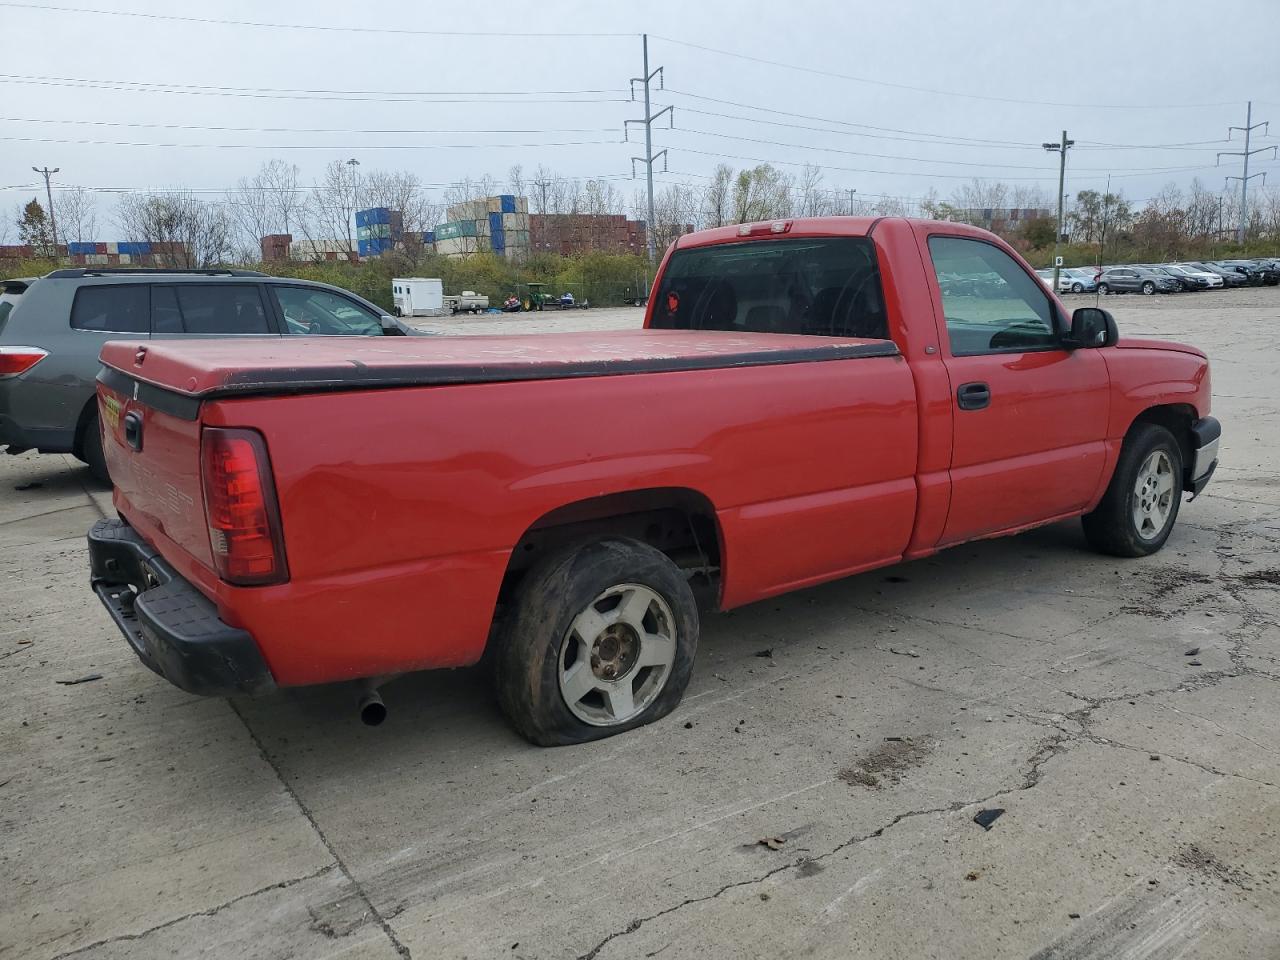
point(372, 710)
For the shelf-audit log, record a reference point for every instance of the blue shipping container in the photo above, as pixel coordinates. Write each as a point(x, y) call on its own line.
point(508, 203)
point(429, 237)
point(74, 249)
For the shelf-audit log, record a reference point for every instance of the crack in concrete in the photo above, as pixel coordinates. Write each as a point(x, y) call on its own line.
point(1049, 748)
point(374, 912)
point(211, 911)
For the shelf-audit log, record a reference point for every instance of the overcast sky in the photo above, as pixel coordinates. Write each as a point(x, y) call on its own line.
point(1114, 73)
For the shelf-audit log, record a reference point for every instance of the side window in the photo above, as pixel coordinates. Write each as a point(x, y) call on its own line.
point(112, 308)
point(221, 308)
point(165, 316)
point(309, 310)
point(991, 304)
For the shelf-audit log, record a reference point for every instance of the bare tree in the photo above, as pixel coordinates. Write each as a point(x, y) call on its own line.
point(250, 208)
point(77, 216)
point(329, 211)
point(285, 199)
point(515, 180)
point(187, 232)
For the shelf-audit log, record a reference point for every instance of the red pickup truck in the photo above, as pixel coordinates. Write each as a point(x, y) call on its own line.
point(808, 399)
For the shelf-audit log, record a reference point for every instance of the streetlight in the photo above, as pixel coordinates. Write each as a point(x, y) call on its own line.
point(352, 163)
point(1061, 150)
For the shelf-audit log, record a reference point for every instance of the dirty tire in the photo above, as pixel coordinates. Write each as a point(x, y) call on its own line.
point(1111, 527)
point(92, 449)
point(546, 605)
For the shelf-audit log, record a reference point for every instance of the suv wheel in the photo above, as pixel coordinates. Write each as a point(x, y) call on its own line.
point(91, 448)
point(1077, 288)
point(1103, 289)
point(1148, 288)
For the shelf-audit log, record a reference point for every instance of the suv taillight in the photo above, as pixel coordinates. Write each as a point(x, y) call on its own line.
point(240, 503)
point(18, 360)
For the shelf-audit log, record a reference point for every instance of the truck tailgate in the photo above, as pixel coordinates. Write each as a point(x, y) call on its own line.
point(151, 440)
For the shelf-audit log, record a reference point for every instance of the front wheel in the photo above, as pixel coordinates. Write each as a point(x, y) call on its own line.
point(600, 639)
point(1077, 288)
point(1103, 289)
point(1148, 288)
point(1137, 513)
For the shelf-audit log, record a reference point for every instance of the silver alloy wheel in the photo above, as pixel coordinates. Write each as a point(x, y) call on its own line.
point(1153, 495)
point(617, 654)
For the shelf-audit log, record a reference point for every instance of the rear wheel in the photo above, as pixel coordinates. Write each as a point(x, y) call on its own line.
point(1148, 288)
point(600, 639)
point(1103, 289)
point(1077, 288)
point(1138, 511)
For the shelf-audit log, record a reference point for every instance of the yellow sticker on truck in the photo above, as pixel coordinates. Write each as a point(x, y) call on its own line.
point(111, 410)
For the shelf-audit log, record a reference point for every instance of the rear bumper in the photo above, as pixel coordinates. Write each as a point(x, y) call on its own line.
point(171, 626)
point(1205, 437)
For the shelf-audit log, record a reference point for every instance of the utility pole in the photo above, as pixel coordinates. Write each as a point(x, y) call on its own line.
point(649, 156)
point(1248, 128)
point(351, 165)
point(851, 193)
point(48, 192)
point(1061, 149)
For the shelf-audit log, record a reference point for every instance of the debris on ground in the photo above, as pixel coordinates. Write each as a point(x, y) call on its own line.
point(890, 760)
point(766, 652)
point(32, 485)
point(904, 653)
point(87, 678)
point(1194, 663)
point(773, 843)
point(986, 818)
point(1074, 916)
point(1192, 652)
point(972, 875)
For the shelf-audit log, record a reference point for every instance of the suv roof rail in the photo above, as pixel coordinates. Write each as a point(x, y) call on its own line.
point(75, 272)
point(16, 284)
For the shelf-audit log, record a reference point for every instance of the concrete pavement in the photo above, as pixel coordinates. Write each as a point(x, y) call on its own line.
point(860, 726)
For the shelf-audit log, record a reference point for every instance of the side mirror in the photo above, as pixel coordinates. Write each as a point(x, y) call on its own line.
point(1092, 327)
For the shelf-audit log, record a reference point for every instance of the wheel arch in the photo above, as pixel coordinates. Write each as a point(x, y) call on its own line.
point(679, 521)
point(87, 413)
point(1178, 419)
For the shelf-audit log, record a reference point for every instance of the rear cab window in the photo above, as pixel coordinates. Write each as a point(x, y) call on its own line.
point(112, 308)
point(820, 286)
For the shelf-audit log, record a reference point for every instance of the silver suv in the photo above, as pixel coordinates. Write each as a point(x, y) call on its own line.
point(52, 329)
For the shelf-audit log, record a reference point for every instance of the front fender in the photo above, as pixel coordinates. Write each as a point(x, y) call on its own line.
point(1146, 378)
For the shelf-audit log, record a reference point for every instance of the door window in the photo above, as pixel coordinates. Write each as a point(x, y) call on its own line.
point(308, 310)
point(114, 308)
point(991, 304)
point(222, 308)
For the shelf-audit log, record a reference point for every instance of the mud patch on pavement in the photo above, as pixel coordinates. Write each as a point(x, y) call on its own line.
point(888, 761)
point(1198, 860)
point(1159, 601)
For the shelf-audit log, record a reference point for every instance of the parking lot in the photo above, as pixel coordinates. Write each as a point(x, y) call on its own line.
point(814, 795)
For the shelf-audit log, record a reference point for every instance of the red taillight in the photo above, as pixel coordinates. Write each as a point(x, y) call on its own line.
point(240, 503)
point(18, 360)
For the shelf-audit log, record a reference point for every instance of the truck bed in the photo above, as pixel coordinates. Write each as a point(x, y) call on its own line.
point(208, 369)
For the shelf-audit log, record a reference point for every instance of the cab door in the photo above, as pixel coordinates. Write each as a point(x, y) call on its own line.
point(1029, 417)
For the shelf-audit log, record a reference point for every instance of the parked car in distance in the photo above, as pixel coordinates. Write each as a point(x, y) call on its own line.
point(53, 328)
point(1204, 278)
point(312, 511)
point(1185, 279)
point(1082, 280)
point(1257, 273)
point(1230, 278)
point(1136, 280)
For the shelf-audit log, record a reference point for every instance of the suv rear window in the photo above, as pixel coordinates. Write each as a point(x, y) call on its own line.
point(114, 308)
point(824, 286)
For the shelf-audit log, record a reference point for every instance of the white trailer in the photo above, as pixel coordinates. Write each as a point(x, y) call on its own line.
point(418, 297)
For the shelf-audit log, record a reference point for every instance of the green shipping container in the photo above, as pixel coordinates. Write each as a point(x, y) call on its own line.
point(458, 228)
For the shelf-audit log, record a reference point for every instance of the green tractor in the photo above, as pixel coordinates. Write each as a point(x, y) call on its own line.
point(538, 298)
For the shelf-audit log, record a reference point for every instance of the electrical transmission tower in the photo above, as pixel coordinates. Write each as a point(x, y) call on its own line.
point(649, 156)
point(1248, 128)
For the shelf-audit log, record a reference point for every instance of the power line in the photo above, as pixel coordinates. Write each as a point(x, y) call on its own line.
point(181, 90)
point(848, 123)
point(310, 146)
point(341, 130)
point(933, 91)
point(223, 87)
point(398, 31)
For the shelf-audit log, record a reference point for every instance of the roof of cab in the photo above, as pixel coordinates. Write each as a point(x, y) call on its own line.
point(235, 367)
